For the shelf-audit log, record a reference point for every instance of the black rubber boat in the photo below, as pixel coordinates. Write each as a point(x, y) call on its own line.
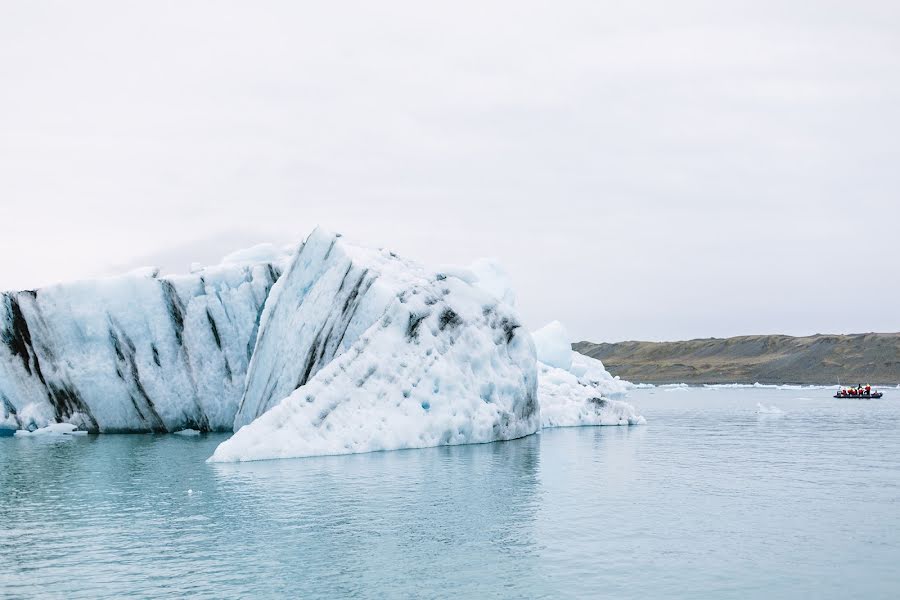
point(863, 396)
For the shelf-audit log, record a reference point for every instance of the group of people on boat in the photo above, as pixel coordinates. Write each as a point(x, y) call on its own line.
point(859, 391)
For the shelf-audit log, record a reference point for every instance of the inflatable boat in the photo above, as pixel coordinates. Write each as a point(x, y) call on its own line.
point(861, 395)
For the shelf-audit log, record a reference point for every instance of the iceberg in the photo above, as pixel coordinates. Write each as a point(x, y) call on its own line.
point(576, 390)
point(134, 353)
point(322, 348)
point(360, 350)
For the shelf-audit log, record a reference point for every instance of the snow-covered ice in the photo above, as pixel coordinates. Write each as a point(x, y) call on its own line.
point(330, 295)
point(574, 389)
point(553, 345)
point(387, 354)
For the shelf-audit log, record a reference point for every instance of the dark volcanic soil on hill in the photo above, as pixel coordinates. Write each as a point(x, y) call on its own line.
point(816, 359)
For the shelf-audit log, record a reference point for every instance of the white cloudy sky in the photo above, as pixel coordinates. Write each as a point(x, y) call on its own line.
point(645, 169)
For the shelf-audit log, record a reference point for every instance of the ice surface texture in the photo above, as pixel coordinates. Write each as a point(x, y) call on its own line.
point(387, 355)
point(331, 348)
point(133, 353)
point(331, 293)
point(574, 389)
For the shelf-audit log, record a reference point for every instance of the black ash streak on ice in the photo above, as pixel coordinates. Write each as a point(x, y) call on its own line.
point(325, 345)
point(35, 370)
point(127, 371)
point(376, 338)
point(329, 336)
point(16, 335)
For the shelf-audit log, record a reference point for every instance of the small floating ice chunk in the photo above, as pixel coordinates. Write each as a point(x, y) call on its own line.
point(54, 429)
point(762, 409)
point(675, 387)
point(766, 386)
point(187, 432)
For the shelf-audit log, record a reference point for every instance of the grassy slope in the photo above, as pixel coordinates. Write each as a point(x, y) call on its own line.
point(854, 358)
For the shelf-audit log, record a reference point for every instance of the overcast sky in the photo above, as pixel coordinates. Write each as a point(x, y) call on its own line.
point(644, 169)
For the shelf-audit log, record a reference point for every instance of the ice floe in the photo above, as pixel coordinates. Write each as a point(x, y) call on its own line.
point(187, 432)
point(53, 429)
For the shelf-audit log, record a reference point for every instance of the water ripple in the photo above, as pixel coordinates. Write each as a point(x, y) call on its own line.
point(707, 499)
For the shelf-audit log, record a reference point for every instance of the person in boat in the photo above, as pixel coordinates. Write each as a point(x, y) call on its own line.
point(868, 390)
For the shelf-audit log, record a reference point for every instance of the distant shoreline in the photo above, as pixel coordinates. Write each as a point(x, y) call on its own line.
point(823, 360)
point(755, 385)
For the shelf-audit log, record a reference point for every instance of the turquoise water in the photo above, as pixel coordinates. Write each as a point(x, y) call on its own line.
point(710, 499)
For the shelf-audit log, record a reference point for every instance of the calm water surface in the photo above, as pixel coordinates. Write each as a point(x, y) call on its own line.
point(710, 499)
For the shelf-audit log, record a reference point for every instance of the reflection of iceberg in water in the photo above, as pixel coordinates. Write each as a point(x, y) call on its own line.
point(605, 465)
point(444, 501)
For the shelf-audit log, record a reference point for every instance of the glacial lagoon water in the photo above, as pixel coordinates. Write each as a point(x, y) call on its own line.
point(711, 499)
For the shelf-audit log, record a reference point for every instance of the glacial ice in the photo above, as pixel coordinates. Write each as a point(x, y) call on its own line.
point(135, 352)
point(387, 355)
point(330, 294)
point(52, 429)
point(187, 433)
point(576, 390)
point(553, 346)
point(352, 349)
